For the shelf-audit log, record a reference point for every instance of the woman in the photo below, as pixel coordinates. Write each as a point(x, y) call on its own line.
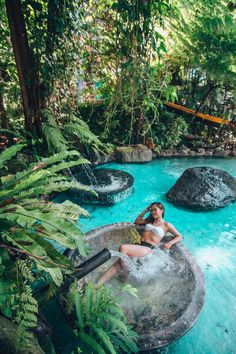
point(155, 230)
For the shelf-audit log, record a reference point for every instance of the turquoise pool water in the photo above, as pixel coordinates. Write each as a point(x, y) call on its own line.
point(210, 236)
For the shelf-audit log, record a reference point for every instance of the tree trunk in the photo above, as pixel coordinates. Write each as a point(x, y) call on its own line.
point(55, 13)
point(3, 114)
point(26, 68)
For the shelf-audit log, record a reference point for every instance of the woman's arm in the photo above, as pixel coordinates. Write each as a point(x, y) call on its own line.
point(139, 220)
point(175, 233)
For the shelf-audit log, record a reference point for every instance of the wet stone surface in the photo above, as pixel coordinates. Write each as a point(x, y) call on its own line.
point(203, 188)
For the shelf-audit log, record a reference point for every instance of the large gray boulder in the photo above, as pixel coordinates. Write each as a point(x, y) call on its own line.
point(134, 153)
point(203, 188)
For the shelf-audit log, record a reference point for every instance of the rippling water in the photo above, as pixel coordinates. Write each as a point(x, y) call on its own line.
point(210, 236)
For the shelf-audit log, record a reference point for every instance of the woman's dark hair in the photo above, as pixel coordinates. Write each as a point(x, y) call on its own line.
point(150, 218)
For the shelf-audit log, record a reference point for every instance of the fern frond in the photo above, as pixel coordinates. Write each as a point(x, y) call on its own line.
point(67, 209)
point(120, 345)
point(26, 317)
point(23, 180)
point(54, 138)
point(66, 165)
point(91, 342)
point(88, 299)
point(104, 338)
point(25, 271)
point(115, 310)
point(10, 152)
point(128, 342)
point(54, 187)
point(79, 310)
point(113, 322)
point(64, 232)
point(64, 155)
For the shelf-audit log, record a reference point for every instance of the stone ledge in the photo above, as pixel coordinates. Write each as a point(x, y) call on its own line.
point(133, 153)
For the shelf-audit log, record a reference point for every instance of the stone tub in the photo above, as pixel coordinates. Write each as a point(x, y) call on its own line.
point(112, 186)
point(170, 299)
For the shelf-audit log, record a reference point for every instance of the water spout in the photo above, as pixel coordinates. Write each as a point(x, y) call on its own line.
point(86, 267)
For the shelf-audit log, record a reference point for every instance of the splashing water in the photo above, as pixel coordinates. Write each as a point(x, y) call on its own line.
point(160, 281)
point(143, 269)
point(115, 183)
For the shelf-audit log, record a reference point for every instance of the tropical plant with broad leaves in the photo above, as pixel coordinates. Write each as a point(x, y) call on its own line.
point(68, 129)
point(30, 229)
point(101, 324)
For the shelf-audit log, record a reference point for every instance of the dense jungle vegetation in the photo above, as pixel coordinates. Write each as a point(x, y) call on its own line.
point(78, 78)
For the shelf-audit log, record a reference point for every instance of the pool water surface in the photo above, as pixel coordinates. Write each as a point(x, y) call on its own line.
point(210, 236)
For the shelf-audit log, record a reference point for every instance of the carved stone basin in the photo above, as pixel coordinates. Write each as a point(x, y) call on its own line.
point(112, 186)
point(170, 291)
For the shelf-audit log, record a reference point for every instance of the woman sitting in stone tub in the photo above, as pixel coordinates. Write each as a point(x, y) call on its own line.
point(155, 230)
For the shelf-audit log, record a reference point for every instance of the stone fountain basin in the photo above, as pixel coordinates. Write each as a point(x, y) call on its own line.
point(113, 186)
point(178, 308)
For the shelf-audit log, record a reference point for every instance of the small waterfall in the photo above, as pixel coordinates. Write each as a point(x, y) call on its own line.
point(89, 173)
point(71, 174)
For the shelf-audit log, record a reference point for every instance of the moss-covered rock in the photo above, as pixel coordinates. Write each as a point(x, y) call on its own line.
point(8, 336)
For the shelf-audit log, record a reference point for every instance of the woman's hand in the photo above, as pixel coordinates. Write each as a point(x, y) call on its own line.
point(148, 209)
point(167, 245)
point(139, 220)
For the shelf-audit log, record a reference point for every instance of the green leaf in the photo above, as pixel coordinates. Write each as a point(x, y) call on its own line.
point(88, 297)
point(130, 290)
point(8, 153)
point(104, 338)
point(91, 342)
point(79, 310)
point(113, 321)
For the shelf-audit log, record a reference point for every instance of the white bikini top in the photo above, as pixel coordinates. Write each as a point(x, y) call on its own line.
point(157, 230)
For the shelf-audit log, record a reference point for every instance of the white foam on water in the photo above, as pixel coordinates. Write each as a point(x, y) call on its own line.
point(115, 183)
point(215, 257)
point(145, 268)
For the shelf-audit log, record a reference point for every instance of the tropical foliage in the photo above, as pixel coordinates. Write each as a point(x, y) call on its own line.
point(77, 78)
point(100, 322)
point(31, 229)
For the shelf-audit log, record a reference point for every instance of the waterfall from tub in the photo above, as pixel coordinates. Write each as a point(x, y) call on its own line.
point(89, 173)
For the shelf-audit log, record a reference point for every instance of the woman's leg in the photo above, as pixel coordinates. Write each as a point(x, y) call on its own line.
point(131, 251)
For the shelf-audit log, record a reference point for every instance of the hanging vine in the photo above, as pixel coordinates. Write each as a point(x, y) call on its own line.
point(140, 84)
